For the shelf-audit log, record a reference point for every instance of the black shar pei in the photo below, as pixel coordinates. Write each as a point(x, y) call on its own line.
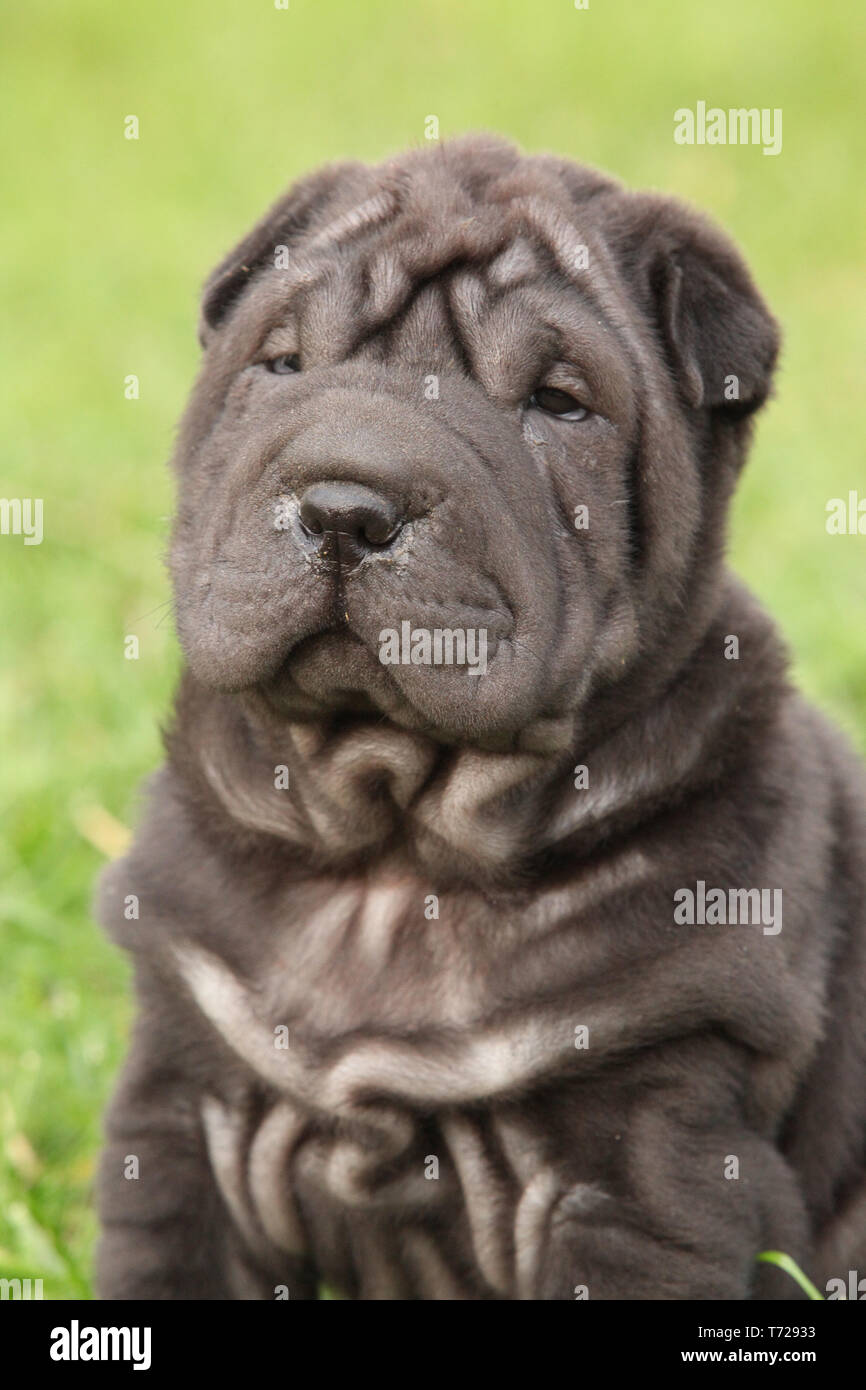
point(498, 916)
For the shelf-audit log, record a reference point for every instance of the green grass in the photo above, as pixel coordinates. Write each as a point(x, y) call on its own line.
point(108, 241)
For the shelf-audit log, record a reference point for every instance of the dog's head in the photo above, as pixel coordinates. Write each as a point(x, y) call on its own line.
point(462, 443)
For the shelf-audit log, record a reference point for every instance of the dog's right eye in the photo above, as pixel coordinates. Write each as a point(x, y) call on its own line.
point(559, 403)
point(284, 365)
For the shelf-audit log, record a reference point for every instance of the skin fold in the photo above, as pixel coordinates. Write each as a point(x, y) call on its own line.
point(417, 1018)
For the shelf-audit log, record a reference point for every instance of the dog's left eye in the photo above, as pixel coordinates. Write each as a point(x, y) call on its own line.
point(284, 365)
point(559, 403)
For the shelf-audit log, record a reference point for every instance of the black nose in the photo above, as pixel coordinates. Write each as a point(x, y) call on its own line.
point(351, 520)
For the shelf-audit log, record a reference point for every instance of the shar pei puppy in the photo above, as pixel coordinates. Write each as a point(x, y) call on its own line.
point(497, 918)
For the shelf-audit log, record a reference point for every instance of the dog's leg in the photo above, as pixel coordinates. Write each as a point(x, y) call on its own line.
point(168, 1232)
point(684, 1215)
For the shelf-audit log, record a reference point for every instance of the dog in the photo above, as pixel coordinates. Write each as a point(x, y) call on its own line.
point(497, 917)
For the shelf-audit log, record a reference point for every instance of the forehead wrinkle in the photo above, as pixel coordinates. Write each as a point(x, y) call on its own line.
point(389, 284)
point(550, 225)
point(385, 282)
point(597, 288)
point(516, 344)
point(331, 315)
point(578, 345)
point(406, 248)
point(596, 291)
point(424, 331)
point(466, 299)
point(312, 256)
point(547, 223)
point(518, 262)
point(426, 247)
point(502, 339)
point(364, 216)
point(282, 296)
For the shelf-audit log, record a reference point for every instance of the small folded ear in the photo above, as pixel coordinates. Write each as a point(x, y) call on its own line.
point(721, 340)
point(294, 214)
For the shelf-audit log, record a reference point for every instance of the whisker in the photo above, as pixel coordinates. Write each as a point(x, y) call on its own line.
point(164, 604)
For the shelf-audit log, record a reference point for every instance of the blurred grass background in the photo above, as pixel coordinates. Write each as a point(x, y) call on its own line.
point(107, 242)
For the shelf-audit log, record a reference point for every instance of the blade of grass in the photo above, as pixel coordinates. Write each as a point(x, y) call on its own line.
point(778, 1257)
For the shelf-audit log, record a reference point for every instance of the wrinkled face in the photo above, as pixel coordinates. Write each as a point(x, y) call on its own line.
point(414, 472)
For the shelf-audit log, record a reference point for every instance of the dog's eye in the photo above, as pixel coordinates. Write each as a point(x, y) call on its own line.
point(286, 364)
point(559, 403)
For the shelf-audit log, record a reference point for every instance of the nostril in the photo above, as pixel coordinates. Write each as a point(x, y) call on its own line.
point(380, 530)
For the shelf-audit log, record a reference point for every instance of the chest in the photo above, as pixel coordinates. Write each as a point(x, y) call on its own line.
point(389, 1203)
point(399, 1037)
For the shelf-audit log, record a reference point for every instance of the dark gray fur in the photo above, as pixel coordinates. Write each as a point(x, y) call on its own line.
point(412, 1037)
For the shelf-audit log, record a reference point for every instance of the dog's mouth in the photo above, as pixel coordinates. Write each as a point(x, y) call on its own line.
point(408, 676)
point(334, 673)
